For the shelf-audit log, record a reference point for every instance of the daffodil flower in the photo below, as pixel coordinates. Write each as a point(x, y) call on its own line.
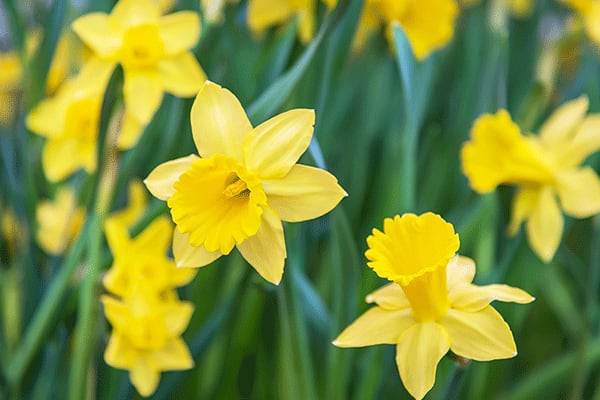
point(143, 258)
point(152, 49)
point(60, 221)
point(70, 122)
point(428, 25)
point(431, 306)
point(244, 184)
point(263, 14)
point(146, 337)
point(546, 169)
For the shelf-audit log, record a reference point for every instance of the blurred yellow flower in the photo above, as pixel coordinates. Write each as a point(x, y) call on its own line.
point(432, 306)
point(60, 221)
point(545, 168)
point(428, 25)
point(245, 184)
point(142, 259)
point(262, 14)
point(70, 122)
point(153, 50)
point(589, 12)
point(146, 337)
point(11, 72)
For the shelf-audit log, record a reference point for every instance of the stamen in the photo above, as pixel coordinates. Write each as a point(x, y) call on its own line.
point(237, 189)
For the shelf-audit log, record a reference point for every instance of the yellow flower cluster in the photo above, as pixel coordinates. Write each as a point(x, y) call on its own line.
point(144, 309)
point(431, 306)
point(545, 168)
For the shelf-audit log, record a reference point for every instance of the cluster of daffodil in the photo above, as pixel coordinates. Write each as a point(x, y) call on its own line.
point(245, 181)
point(143, 306)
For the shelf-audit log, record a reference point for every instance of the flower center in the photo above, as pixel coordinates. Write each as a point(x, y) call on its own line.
point(148, 332)
point(142, 47)
point(236, 188)
point(218, 202)
point(413, 251)
point(82, 119)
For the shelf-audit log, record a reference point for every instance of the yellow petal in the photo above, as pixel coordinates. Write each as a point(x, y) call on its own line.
point(306, 23)
point(119, 353)
point(421, 348)
point(219, 123)
point(116, 312)
point(117, 236)
point(545, 225)
point(131, 130)
point(143, 93)
point(471, 298)
point(273, 147)
point(265, 13)
point(585, 142)
point(187, 255)
point(128, 13)
point(179, 31)
point(156, 237)
point(265, 251)
point(47, 118)
point(177, 317)
point(175, 356)
point(389, 297)
point(428, 27)
point(95, 74)
point(61, 158)
point(524, 203)
point(96, 32)
point(305, 193)
point(481, 335)
point(143, 376)
point(181, 75)
point(460, 269)
point(564, 122)
point(579, 192)
point(376, 326)
point(161, 179)
point(498, 154)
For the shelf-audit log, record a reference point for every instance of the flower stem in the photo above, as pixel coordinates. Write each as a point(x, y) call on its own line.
point(44, 317)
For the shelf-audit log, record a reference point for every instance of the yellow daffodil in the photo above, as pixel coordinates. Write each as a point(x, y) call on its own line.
point(262, 14)
point(243, 185)
point(70, 122)
point(146, 337)
point(60, 221)
point(589, 12)
point(431, 306)
point(152, 49)
point(143, 258)
point(546, 169)
point(428, 25)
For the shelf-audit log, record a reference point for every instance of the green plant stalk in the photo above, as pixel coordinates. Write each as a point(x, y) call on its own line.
point(85, 335)
point(547, 378)
point(43, 318)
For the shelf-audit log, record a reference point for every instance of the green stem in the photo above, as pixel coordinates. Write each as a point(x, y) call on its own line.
point(85, 335)
point(548, 378)
point(42, 320)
